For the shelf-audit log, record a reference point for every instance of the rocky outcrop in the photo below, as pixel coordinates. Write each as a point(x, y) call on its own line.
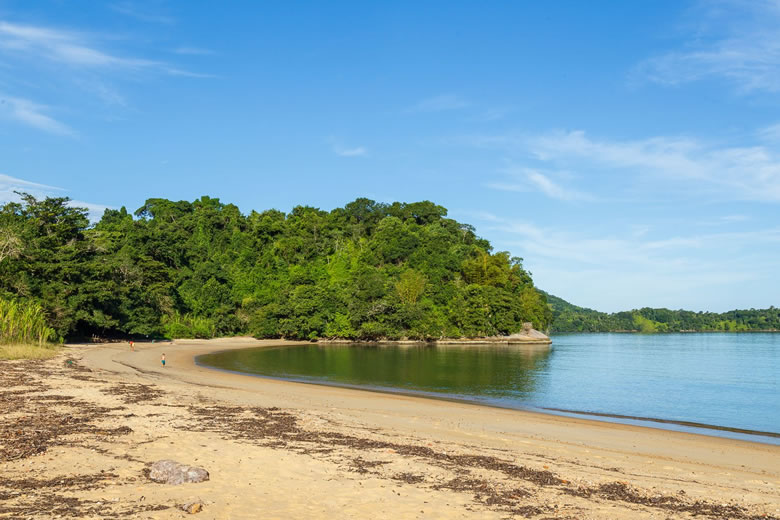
point(528, 334)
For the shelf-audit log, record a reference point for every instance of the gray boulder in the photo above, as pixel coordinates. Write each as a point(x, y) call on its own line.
point(172, 472)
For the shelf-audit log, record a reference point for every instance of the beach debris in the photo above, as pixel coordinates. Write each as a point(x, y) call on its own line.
point(131, 393)
point(171, 472)
point(193, 507)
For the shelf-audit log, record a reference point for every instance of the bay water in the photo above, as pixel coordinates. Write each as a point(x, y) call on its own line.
point(724, 384)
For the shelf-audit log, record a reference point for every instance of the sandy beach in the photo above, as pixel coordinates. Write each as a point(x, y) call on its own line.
point(79, 432)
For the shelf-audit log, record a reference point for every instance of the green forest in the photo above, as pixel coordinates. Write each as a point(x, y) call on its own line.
point(203, 269)
point(571, 318)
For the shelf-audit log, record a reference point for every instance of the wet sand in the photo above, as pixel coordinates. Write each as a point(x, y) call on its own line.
point(278, 449)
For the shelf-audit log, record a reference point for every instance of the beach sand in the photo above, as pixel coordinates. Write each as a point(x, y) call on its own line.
point(78, 433)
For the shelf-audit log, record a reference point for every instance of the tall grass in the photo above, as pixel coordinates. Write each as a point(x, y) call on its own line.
point(23, 323)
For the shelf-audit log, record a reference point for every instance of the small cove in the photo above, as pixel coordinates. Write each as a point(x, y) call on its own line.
point(716, 384)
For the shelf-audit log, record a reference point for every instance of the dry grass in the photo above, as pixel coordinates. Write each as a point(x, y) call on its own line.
point(18, 351)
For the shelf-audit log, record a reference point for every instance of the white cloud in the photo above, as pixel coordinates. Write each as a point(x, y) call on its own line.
point(750, 172)
point(95, 211)
point(69, 48)
point(440, 103)
point(106, 92)
point(132, 10)
point(770, 134)
point(11, 186)
point(735, 40)
point(620, 271)
point(734, 218)
point(32, 114)
point(66, 57)
point(549, 188)
point(173, 71)
point(350, 152)
point(193, 51)
point(75, 50)
point(493, 114)
point(534, 179)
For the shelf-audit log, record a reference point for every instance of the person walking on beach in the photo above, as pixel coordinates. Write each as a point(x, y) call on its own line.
point(162, 360)
point(132, 346)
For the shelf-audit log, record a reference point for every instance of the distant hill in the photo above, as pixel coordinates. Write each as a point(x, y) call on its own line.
point(572, 318)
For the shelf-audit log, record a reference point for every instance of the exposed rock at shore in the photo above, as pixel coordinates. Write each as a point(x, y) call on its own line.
point(175, 473)
point(528, 334)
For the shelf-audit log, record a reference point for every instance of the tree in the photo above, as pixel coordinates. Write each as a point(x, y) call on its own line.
point(202, 268)
point(10, 245)
point(410, 286)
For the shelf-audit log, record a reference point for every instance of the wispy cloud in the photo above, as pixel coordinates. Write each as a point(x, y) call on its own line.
point(106, 92)
point(549, 188)
point(134, 10)
point(739, 42)
point(68, 48)
point(635, 249)
point(11, 186)
point(8, 185)
point(723, 221)
point(33, 115)
point(750, 172)
point(193, 51)
point(735, 218)
point(187, 73)
point(66, 57)
point(350, 152)
point(527, 179)
point(770, 134)
point(440, 103)
point(75, 50)
point(95, 211)
point(492, 114)
point(661, 270)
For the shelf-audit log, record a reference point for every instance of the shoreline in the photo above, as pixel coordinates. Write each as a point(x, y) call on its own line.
point(446, 341)
point(684, 426)
point(761, 331)
point(690, 427)
point(293, 450)
point(188, 371)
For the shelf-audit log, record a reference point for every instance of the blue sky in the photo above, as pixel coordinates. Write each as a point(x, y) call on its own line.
point(628, 151)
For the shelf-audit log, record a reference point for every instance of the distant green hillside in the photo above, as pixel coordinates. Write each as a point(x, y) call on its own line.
point(572, 318)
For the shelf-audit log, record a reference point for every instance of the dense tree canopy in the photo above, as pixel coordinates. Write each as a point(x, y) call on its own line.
point(201, 269)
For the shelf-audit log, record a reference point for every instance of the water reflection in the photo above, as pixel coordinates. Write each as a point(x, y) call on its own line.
point(722, 380)
point(486, 370)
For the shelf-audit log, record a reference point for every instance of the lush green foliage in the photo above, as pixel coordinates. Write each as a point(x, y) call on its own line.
point(571, 318)
point(203, 269)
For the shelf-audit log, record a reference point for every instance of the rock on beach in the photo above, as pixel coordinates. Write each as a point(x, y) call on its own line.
point(175, 473)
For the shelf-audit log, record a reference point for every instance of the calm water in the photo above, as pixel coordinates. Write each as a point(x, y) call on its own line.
point(723, 380)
